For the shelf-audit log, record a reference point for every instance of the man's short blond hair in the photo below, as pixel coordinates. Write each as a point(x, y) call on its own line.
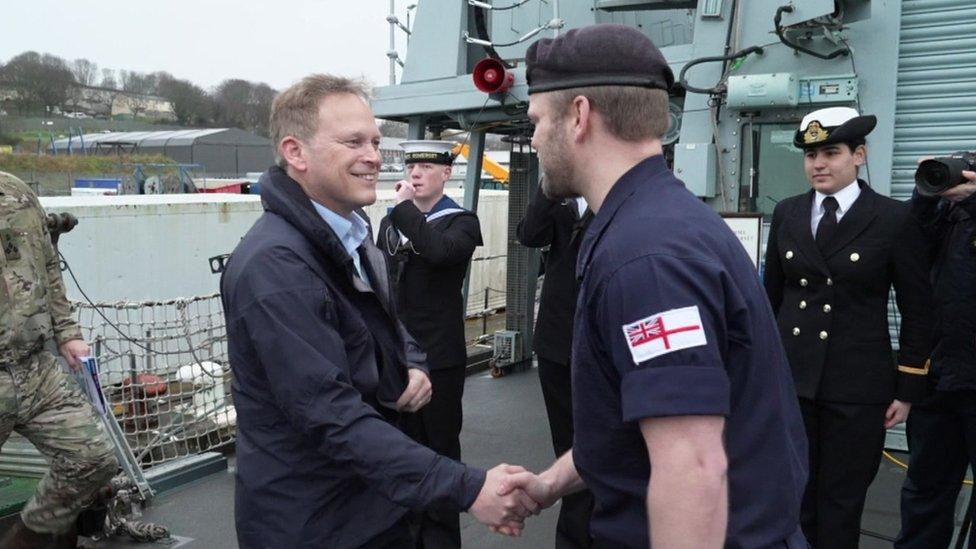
point(630, 113)
point(295, 111)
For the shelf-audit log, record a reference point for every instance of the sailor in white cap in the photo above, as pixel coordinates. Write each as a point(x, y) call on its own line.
point(430, 240)
point(833, 254)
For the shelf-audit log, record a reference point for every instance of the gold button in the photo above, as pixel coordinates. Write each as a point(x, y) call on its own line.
point(823, 335)
point(855, 257)
point(796, 331)
point(803, 304)
point(803, 282)
point(830, 282)
point(789, 254)
point(827, 308)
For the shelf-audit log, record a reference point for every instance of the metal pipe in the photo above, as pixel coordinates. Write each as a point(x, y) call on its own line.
point(393, 64)
point(555, 17)
point(484, 314)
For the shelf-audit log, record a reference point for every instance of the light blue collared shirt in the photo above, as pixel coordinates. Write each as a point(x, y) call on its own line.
point(352, 232)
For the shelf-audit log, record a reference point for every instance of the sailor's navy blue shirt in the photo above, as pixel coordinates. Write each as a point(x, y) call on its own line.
point(672, 320)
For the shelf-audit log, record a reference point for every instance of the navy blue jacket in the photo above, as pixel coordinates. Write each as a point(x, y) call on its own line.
point(673, 321)
point(950, 231)
point(319, 360)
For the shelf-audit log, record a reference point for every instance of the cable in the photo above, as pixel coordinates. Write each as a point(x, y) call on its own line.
point(720, 87)
point(729, 44)
point(904, 465)
point(964, 531)
point(105, 318)
point(474, 128)
point(857, 100)
point(781, 33)
point(485, 6)
point(482, 28)
point(876, 535)
point(521, 39)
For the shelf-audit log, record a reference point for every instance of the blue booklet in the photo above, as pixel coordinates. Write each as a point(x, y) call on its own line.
point(87, 377)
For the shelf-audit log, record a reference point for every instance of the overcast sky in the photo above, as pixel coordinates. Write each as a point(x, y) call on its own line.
point(207, 41)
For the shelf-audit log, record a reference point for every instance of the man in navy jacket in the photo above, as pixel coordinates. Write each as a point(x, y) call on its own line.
point(320, 361)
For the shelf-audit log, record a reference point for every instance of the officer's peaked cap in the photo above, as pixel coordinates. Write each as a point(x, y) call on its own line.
point(831, 126)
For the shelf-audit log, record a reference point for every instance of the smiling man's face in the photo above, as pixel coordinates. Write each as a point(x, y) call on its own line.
point(343, 157)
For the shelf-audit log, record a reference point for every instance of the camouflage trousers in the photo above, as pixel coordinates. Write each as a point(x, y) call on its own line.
point(45, 405)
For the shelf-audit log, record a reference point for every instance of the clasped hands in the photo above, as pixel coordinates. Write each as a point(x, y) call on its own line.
point(509, 496)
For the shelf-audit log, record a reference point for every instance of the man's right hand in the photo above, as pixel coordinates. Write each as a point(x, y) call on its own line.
point(503, 513)
point(73, 351)
point(404, 191)
point(418, 392)
point(535, 486)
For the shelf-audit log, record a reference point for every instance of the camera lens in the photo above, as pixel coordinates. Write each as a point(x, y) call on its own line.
point(938, 175)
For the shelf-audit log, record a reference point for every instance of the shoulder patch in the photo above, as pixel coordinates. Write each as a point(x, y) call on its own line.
point(664, 333)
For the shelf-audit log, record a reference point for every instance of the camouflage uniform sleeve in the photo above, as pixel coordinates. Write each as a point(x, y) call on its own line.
point(62, 315)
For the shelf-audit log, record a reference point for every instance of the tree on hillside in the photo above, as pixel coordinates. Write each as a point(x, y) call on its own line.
point(108, 79)
point(41, 81)
point(231, 102)
point(191, 104)
point(262, 95)
point(242, 104)
point(85, 72)
point(137, 82)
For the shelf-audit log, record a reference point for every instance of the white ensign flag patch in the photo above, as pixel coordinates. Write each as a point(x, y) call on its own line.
point(664, 333)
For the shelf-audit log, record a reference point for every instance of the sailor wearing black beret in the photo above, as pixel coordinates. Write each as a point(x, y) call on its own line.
point(599, 55)
point(676, 363)
point(833, 254)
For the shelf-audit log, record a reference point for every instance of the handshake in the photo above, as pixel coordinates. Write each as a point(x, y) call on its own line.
point(509, 496)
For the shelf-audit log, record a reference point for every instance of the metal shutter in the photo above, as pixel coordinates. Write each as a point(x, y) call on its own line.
point(935, 111)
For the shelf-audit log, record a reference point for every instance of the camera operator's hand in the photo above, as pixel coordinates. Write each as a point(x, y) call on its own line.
point(963, 191)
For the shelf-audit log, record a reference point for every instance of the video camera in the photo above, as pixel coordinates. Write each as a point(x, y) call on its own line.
point(937, 175)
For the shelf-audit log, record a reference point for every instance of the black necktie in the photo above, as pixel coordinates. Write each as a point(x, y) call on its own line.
point(581, 224)
point(365, 272)
point(828, 223)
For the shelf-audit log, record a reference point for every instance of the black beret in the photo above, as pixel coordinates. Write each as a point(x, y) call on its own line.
point(598, 55)
point(832, 126)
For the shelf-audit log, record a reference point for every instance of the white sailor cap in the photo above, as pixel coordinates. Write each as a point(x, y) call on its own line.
point(831, 126)
point(429, 151)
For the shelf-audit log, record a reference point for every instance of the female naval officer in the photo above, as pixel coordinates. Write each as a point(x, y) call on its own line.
point(833, 254)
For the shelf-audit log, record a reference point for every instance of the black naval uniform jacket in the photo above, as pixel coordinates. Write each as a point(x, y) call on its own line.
point(832, 307)
point(556, 224)
point(428, 275)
